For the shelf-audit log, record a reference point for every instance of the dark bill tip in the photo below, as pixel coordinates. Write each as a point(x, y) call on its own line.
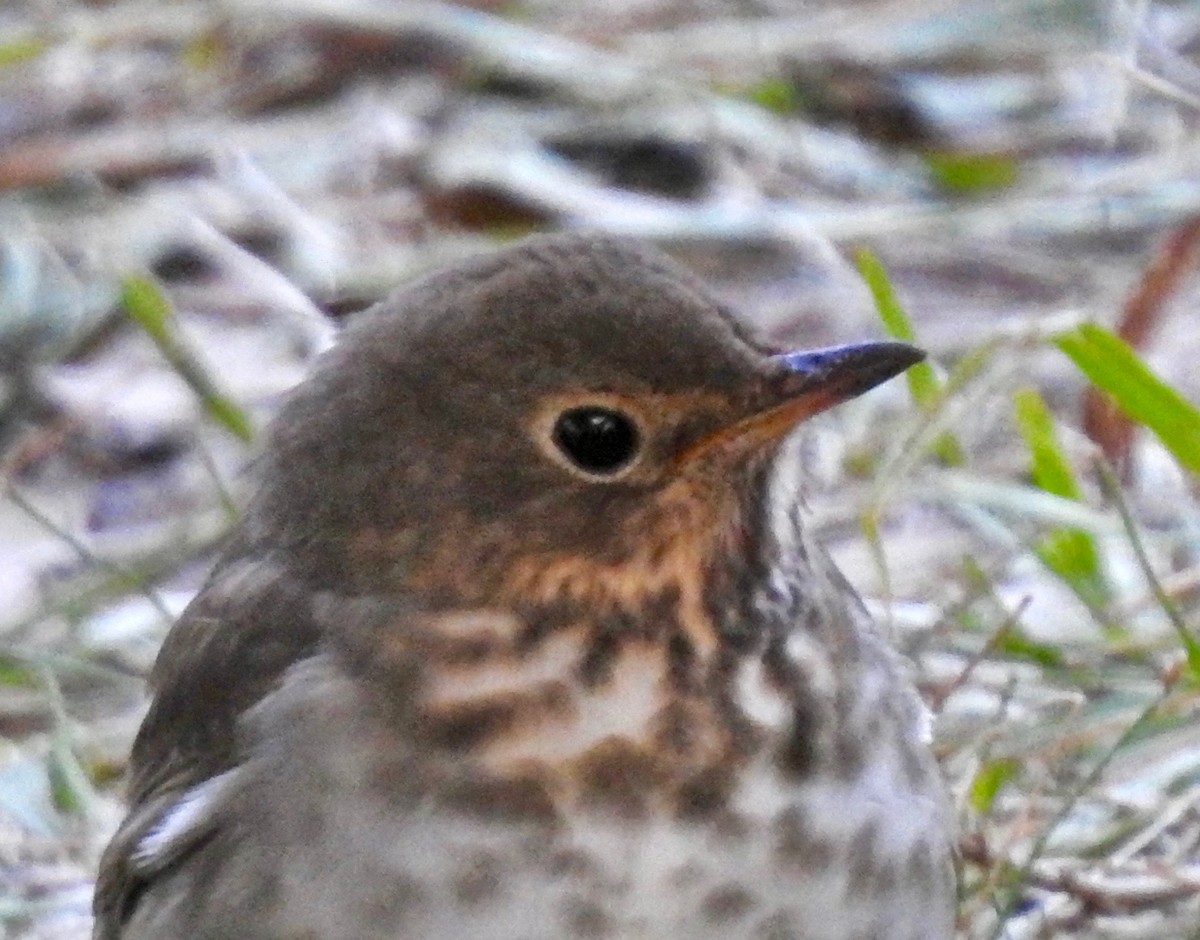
point(845, 371)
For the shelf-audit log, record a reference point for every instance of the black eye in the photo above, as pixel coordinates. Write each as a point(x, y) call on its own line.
point(597, 440)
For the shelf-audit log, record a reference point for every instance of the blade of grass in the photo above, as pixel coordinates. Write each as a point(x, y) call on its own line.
point(1191, 647)
point(1050, 469)
point(14, 674)
point(1070, 553)
point(972, 173)
point(869, 523)
point(144, 303)
point(60, 663)
point(988, 781)
point(71, 789)
point(922, 381)
point(124, 576)
point(17, 51)
point(1114, 367)
point(1008, 629)
point(1007, 909)
point(776, 95)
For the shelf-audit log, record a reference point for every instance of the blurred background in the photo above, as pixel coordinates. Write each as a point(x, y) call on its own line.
point(194, 194)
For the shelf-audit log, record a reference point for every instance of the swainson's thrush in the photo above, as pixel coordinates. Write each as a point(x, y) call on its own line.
point(522, 638)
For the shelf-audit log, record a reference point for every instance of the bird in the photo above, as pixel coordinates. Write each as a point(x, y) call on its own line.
point(523, 635)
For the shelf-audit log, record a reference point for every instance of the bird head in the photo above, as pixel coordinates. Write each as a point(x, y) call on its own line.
point(572, 418)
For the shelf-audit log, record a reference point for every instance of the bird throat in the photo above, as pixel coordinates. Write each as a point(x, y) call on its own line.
point(632, 683)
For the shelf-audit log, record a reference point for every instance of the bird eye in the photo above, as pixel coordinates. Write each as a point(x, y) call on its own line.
point(597, 440)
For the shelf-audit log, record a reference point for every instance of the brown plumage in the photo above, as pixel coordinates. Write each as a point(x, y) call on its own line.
point(521, 637)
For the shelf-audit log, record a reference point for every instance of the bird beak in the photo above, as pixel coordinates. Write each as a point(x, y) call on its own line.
point(803, 384)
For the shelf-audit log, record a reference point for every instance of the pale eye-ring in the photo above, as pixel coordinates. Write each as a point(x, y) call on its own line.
point(598, 440)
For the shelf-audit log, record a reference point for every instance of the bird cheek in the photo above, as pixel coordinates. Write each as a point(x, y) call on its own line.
point(375, 554)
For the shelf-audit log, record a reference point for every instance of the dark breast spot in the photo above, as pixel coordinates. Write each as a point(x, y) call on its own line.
point(705, 793)
point(596, 666)
point(620, 777)
point(863, 860)
point(660, 611)
point(688, 875)
point(726, 903)
point(467, 651)
point(545, 620)
point(920, 870)
point(782, 925)
point(849, 755)
point(480, 878)
point(681, 663)
point(569, 863)
point(475, 722)
point(745, 736)
point(796, 755)
point(656, 617)
point(507, 800)
point(586, 920)
point(384, 909)
point(917, 772)
point(686, 727)
point(796, 846)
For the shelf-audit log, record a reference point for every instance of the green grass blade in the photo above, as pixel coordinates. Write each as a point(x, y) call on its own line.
point(18, 51)
point(922, 381)
point(1017, 645)
point(148, 308)
point(1191, 646)
point(69, 787)
point(15, 674)
point(971, 174)
point(1050, 469)
point(1070, 553)
point(776, 95)
point(1112, 366)
point(989, 780)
